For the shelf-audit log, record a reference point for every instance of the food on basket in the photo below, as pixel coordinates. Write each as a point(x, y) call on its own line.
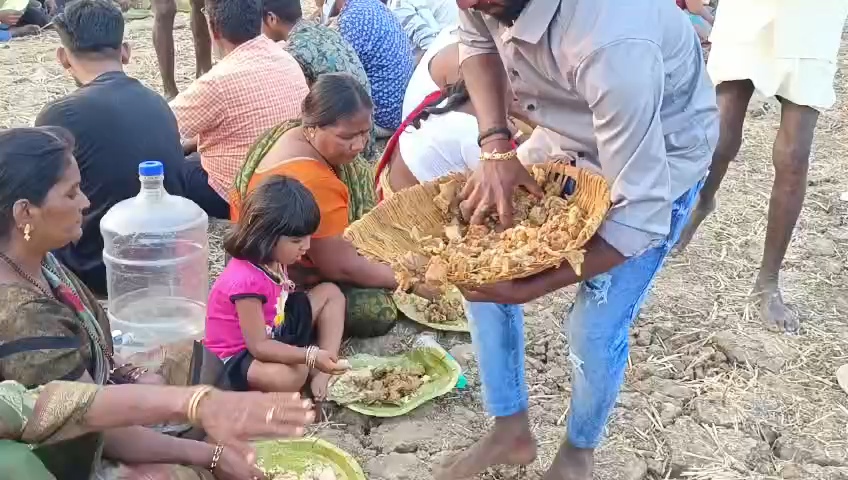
point(313, 473)
point(443, 310)
point(421, 234)
point(385, 384)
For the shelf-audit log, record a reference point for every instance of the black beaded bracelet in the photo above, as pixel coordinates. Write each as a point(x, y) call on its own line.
point(491, 132)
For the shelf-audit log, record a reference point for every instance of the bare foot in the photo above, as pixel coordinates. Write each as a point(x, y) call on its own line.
point(509, 442)
point(773, 311)
point(571, 464)
point(171, 93)
point(318, 386)
point(699, 213)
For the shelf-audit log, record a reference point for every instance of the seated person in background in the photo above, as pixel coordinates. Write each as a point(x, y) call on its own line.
point(255, 86)
point(438, 68)
point(334, 128)
point(439, 133)
point(385, 52)
point(422, 20)
point(701, 15)
point(21, 19)
point(271, 336)
point(317, 48)
point(117, 123)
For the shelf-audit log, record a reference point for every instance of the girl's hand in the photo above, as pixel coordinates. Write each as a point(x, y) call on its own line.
point(232, 466)
point(235, 418)
point(329, 363)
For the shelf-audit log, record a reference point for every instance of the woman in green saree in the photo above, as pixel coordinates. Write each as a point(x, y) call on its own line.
point(52, 328)
point(322, 152)
point(32, 420)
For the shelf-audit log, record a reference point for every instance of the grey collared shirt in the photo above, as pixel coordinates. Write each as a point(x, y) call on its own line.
point(624, 83)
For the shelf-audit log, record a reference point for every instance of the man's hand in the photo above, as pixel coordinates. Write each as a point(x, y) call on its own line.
point(509, 292)
point(492, 185)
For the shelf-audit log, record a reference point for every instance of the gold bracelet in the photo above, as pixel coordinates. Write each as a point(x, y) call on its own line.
point(216, 456)
point(194, 402)
point(499, 157)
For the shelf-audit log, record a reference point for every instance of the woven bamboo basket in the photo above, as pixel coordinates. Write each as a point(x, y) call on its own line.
point(394, 227)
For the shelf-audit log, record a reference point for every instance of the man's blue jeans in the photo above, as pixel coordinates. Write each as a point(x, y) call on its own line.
point(598, 328)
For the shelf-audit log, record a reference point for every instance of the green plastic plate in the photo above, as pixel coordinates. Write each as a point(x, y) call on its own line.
point(407, 307)
point(299, 455)
point(439, 366)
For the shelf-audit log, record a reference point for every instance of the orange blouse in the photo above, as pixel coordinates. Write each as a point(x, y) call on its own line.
point(329, 191)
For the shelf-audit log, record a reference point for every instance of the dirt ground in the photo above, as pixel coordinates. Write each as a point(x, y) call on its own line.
point(710, 394)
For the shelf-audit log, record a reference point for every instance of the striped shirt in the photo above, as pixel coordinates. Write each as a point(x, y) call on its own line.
point(255, 87)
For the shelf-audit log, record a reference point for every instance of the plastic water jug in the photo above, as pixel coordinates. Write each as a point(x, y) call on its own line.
point(156, 248)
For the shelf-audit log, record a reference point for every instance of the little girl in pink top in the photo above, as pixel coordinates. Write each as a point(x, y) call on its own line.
point(271, 336)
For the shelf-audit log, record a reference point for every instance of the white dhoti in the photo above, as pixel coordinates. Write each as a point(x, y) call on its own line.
point(787, 48)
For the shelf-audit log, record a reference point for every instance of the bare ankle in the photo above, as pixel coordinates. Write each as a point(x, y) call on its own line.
point(766, 283)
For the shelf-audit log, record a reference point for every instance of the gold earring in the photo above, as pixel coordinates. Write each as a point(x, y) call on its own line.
point(27, 230)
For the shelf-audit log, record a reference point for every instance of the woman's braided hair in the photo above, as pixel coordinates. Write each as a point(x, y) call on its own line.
point(456, 95)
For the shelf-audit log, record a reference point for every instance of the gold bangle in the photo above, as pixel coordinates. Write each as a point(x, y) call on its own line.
point(194, 402)
point(216, 456)
point(499, 157)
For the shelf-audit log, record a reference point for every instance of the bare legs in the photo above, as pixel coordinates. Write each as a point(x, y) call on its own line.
point(790, 157)
point(328, 315)
point(164, 12)
point(732, 99)
point(202, 40)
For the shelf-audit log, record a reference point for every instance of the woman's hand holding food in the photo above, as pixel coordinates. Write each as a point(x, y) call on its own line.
point(232, 419)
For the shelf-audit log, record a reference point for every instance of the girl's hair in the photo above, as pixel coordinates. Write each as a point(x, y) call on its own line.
point(278, 207)
point(456, 95)
point(332, 97)
point(32, 160)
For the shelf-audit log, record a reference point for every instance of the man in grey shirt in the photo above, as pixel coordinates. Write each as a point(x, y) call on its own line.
point(624, 83)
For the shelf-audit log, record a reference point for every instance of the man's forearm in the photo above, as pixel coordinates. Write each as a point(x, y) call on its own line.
point(487, 86)
point(600, 257)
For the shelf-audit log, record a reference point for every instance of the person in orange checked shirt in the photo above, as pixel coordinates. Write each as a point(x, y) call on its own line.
point(255, 86)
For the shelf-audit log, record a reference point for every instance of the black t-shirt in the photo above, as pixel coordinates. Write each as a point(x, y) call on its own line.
point(117, 123)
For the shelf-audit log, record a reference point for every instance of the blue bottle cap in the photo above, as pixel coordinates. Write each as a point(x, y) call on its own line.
point(151, 169)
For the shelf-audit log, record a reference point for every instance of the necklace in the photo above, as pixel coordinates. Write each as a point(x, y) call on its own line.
point(24, 275)
point(48, 292)
point(323, 158)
